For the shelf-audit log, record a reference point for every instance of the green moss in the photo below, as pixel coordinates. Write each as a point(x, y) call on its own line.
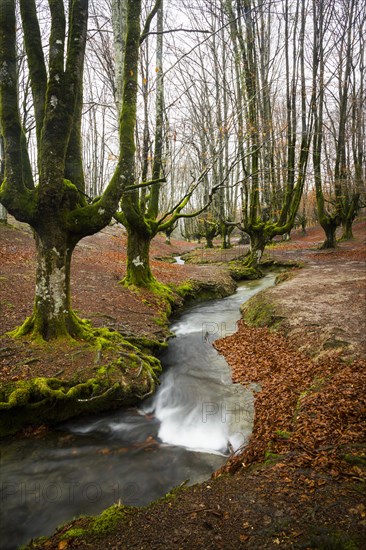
point(108, 520)
point(36, 390)
point(69, 327)
point(270, 457)
point(284, 276)
point(185, 289)
point(154, 286)
point(166, 299)
point(289, 264)
point(355, 460)
point(22, 204)
point(88, 219)
point(80, 329)
point(283, 434)
point(97, 526)
point(260, 312)
point(199, 291)
point(72, 198)
point(176, 491)
point(171, 495)
point(147, 344)
point(240, 272)
point(74, 533)
point(161, 320)
point(20, 396)
point(124, 381)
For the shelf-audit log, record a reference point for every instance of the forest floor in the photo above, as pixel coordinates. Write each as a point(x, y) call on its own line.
point(97, 269)
point(300, 483)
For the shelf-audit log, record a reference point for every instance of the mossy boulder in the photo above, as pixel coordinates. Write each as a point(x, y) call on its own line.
point(240, 272)
point(258, 311)
point(198, 291)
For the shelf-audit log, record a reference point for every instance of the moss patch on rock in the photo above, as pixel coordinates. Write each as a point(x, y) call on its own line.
point(92, 528)
point(198, 291)
point(240, 272)
point(258, 311)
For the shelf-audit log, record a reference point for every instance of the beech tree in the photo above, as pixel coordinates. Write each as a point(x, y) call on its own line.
point(269, 206)
point(54, 205)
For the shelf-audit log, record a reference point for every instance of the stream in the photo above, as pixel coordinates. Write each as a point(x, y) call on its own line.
point(183, 432)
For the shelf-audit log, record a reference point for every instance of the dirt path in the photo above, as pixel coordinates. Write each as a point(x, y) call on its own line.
point(301, 481)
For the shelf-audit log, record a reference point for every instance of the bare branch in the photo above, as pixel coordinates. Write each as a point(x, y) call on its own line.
point(149, 19)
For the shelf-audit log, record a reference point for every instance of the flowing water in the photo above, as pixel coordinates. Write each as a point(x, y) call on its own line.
point(134, 456)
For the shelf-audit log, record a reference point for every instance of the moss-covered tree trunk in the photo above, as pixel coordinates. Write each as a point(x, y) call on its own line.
point(211, 230)
point(347, 233)
point(258, 243)
point(350, 210)
point(141, 210)
point(330, 227)
point(3, 212)
point(344, 206)
point(52, 315)
point(168, 232)
point(209, 240)
point(225, 236)
point(142, 228)
point(52, 301)
point(138, 258)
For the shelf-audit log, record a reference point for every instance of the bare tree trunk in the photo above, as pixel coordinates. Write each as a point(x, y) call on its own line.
point(3, 214)
point(119, 23)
